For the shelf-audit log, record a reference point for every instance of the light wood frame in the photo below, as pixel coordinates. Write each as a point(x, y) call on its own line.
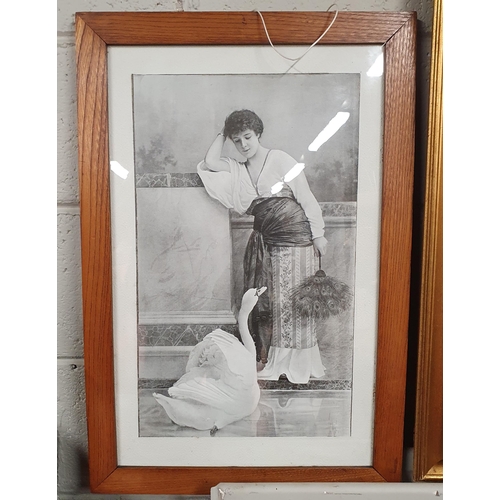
point(95, 31)
point(428, 436)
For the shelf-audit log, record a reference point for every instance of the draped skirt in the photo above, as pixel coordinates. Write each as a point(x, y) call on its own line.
point(279, 255)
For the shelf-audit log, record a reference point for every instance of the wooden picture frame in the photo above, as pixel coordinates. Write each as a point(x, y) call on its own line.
point(428, 436)
point(95, 31)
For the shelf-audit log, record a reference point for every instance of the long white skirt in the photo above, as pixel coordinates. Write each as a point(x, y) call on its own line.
point(297, 364)
point(294, 350)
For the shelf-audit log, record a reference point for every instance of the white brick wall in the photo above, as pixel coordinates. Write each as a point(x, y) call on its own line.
point(67, 156)
point(72, 474)
point(69, 304)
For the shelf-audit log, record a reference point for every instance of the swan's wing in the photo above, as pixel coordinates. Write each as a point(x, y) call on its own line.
point(225, 340)
point(214, 393)
point(219, 373)
point(206, 353)
point(221, 350)
point(239, 361)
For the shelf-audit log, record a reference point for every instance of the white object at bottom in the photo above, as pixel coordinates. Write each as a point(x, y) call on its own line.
point(312, 491)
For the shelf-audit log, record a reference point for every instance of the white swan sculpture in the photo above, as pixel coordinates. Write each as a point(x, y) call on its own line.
point(220, 384)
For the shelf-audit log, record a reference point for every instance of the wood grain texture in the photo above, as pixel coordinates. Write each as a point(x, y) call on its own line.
point(199, 480)
point(428, 436)
point(96, 251)
point(395, 250)
point(94, 32)
point(242, 28)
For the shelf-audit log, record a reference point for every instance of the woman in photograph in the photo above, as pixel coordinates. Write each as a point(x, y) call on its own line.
point(287, 238)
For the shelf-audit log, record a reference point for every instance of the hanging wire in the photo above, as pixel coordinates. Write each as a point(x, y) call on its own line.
point(297, 59)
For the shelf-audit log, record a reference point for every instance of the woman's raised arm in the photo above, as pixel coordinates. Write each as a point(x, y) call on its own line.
point(213, 159)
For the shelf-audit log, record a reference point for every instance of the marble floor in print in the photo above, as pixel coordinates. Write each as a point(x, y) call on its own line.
point(280, 413)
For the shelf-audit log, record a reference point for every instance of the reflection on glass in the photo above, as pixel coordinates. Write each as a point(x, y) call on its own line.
point(290, 175)
point(335, 123)
point(294, 171)
point(118, 169)
point(377, 68)
point(276, 188)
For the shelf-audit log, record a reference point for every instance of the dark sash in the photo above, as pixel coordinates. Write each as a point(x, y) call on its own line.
point(279, 221)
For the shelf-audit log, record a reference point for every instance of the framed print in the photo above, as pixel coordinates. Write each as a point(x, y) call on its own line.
point(246, 233)
point(428, 457)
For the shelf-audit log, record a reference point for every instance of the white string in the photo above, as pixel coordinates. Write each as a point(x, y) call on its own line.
point(296, 59)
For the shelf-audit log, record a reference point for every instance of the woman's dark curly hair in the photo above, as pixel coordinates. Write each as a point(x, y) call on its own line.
point(239, 121)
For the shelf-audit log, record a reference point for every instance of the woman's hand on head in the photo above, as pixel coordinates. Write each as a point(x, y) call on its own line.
point(320, 245)
point(213, 159)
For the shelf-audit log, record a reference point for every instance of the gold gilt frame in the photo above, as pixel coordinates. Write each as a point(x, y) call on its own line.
point(428, 459)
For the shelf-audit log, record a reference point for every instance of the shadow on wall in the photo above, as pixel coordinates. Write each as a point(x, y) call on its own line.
point(72, 466)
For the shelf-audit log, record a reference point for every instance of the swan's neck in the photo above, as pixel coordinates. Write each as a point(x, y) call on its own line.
point(246, 338)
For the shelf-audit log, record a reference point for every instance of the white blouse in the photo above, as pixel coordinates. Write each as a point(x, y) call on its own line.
point(235, 190)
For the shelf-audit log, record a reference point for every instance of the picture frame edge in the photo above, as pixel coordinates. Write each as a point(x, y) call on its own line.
point(91, 50)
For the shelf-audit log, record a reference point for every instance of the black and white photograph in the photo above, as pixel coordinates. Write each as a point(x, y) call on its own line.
point(246, 191)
